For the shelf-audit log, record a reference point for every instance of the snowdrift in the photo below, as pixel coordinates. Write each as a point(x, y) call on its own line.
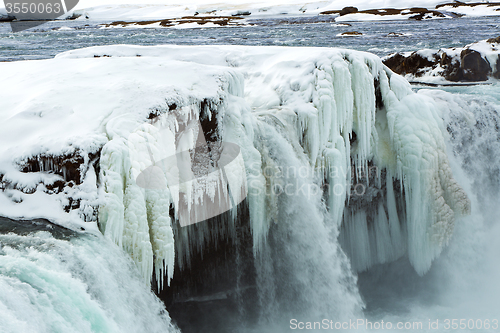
point(183, 15)
point(333, 133)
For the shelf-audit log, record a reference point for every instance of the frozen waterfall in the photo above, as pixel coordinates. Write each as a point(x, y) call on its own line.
point(340, 164)
point(330, 107)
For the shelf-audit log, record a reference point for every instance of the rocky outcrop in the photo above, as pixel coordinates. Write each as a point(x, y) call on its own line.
point(494, 40)
point(351, 33)
point(414, 64)
point(200, 20)
point(496, 73)
point(348, 10)
point(457, 4)
point(6, 18)
point(62, 176)
point(472, 63)
point(415, 13)
point(473, 67)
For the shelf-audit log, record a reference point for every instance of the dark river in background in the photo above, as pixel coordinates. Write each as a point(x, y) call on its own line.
point(46, 41)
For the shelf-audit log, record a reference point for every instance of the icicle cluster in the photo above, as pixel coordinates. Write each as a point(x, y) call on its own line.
point(347, 107)
point(150, 173)
point(340, 111)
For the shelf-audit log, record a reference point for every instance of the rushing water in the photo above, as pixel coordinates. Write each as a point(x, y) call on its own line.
point(53, 280)
point(462, 284)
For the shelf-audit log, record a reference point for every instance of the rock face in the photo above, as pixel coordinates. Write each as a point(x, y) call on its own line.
point(472, 63)
point(351, 33)
point(473, 67)
point(496, 74)
point(348, 10)
point(457, 4)
point(414, 64)
point(494, 40)
point(200, 20)
point(415, 13)
point(217, 289)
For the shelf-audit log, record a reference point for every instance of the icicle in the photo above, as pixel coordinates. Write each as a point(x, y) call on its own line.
point(384, 249)
point(323, 110)
point(356, 240)
point(396, 232)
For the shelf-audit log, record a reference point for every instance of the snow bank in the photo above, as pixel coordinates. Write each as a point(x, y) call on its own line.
point(64, 109)
point(327, 113)
point(163, 10)
point(473, 8)
point(259, 4)
point(154, 10)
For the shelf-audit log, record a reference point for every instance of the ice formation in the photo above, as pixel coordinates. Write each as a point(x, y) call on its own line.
point(478, 61)
point(309, 123)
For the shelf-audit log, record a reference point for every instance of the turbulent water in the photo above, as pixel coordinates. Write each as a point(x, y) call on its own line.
point(53, 280)
point(463, 282)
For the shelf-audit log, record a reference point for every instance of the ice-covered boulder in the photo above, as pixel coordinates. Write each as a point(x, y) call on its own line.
point(472, 63)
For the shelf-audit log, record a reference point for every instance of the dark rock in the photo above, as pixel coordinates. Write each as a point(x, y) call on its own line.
point(394, 34)
point(457, 4)
point(379, 101)
point(474, 67)
point(396, 63)
point(455, 15)
point(418, 17)
point(214, 290)
point(451, 66)
point(27, 227)
point(71, 167)
point(496, 74)
point(414, 64)
point(242, 13)
point(74, 16)
point(66, 166)
point(7, 18)
point(424, 13)
point(494, 40)
point(417, 13)
point(469, 67)
point(348, 10)
point(351, 33)
point(200, 20)
point(382, 12)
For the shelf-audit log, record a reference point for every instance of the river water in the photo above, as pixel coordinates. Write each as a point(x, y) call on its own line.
point(462, 285)
point(47, 40)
